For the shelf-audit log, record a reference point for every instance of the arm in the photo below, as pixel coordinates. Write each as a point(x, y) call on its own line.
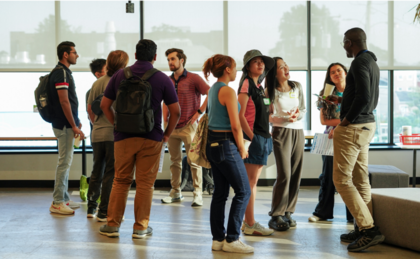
point(243, 101)
point(362, 95)
point(203, 108)
point(65, 105)
point(165, 114)
point(175, 114)
point(91, 114)
point(227, 97)
point(332, 122)
point(106, 104)
point(301, 111)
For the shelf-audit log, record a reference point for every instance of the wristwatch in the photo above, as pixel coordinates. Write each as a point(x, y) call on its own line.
point(199, 111)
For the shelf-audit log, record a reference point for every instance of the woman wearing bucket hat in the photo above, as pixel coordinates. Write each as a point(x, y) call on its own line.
point(288, 110)
point(254, 115)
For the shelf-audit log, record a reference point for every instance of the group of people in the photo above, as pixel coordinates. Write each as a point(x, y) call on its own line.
point(239, 140)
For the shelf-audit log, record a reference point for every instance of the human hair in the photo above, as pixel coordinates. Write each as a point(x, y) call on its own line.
point(179, 53)
point(116, 60)
point(146, 50)
point(96, 65)
point(329, 110)
point(357, 36)
point(271, 81)
point(64, 46)
point(217, 65)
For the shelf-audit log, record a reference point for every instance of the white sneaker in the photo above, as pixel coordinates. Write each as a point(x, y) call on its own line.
point(237, 247)
point(314, 218)
point(217, 245)
point(73, 205)
point(174, 196)
point(61, 208)
point(257, 230)
point(197, 201)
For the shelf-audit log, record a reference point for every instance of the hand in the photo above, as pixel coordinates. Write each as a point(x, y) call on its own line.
point(80, 125)
point(194, 118)
point(344, 123)
point(293, 115)
point(77, 132)
point(243, 153)
point(165, 139)
point(331, 134)
point(333, 99)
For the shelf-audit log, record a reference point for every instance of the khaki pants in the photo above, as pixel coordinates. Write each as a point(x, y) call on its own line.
point(144, 154)
point(178, 136)
point(351, 177)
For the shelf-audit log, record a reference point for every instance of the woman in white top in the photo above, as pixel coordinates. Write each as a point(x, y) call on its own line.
point(287, 112)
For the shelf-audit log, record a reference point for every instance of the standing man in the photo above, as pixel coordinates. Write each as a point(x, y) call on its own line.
point(141, 150)
point(352, 138)
point(66, 124)
point(98, 69)
point(189, 88)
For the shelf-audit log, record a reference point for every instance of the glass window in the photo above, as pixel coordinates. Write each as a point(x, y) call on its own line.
point(98, 28)
point(194, 27)
point(381, 111)
point(406, 102)
point(275, 28)
point(27, 43)
point(330, 20)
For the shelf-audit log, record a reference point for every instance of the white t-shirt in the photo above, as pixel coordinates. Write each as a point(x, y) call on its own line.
point(287, 101)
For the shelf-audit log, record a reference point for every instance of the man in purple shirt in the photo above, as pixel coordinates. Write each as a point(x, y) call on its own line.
point(141, 150)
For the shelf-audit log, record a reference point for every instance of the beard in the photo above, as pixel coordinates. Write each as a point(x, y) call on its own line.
point(174, 68)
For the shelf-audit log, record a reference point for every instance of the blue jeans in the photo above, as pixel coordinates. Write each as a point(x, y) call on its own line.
point(65, 139)
point(228, 170)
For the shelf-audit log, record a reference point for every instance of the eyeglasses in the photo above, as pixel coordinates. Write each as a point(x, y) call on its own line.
point(75, 52)
point(343, 43)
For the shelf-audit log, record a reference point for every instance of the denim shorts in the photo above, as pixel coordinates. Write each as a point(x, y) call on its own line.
point(259, 150)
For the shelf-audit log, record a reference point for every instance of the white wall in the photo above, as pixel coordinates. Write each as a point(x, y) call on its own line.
point(42, 166)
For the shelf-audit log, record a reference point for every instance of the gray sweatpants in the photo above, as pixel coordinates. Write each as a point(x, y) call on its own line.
point(288, 146)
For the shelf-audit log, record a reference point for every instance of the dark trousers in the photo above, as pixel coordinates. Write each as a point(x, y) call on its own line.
point(228, 170)
point(102, 174)
point(325, 207)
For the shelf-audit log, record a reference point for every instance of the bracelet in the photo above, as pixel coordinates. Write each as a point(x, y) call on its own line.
point(199, 111)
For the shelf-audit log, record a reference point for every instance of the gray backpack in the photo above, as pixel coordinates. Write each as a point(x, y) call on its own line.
point(133, 111)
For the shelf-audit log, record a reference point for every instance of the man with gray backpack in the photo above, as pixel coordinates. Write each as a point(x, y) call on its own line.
point(138, 91)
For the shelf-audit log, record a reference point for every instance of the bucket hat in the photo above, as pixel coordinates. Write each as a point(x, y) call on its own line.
point(268, 62)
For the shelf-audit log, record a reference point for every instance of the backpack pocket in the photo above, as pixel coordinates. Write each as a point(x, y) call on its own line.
point(135, 123)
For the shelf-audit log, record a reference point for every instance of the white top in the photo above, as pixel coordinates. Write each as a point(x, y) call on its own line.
point(287, 101)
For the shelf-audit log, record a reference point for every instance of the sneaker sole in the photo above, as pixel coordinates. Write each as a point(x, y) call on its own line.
point(196, 204)
point(90, 215)
point(239, 252)
point(61, 212)
point(113, 234)
point(278, 229)
point(173, 200)
point(347, 240)
point(137, 236)
point(101, 219)
point(376, 241)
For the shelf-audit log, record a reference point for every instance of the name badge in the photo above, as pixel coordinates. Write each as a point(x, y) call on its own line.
point(292, 94)
point(267, 101)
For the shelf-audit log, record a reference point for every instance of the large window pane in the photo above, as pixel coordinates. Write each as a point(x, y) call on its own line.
point(27, 34)
point(98, 28)
point(330, 20)
point(406, 101)
point(275, 28)
point(195, 27)
point(406, 35)
point(381, 111)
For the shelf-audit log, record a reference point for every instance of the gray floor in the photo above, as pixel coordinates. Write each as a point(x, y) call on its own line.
point(29, 231)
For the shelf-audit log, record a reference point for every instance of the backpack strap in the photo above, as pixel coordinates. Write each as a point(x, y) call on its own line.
point(127, 73)
point(149, 73)
point(64, 72)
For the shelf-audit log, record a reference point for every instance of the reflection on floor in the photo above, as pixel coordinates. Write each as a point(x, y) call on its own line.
point(29, 231)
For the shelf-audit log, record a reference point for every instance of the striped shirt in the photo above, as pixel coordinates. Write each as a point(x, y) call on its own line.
point(189, 88)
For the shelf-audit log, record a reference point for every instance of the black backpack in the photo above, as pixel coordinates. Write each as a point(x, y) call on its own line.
point(42, 96)
point(96, 105)
point(133, 111)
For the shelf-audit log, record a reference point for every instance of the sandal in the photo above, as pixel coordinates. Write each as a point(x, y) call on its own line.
point(278, 223)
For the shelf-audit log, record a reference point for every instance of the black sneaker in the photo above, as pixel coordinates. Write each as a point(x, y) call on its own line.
point(278, 223)
point(351, 236)
point(101, 217)
point(292, 222)
point(367, 238)
point(91, 212)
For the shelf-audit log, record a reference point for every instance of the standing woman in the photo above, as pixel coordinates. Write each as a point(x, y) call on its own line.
point(330, 116)
point(254, 115)
point(288, 107)
point(225, 151)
